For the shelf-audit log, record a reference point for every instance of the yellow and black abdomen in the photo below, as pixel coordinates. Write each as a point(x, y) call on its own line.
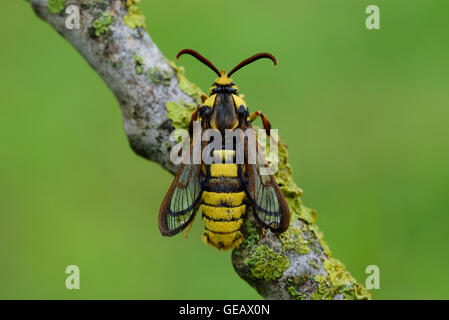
point(223, 206)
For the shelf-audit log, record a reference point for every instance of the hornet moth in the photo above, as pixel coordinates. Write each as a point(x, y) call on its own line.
point(224, 191)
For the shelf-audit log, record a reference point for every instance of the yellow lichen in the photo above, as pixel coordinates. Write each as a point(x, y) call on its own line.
point(338, 281)
point(185, 85)
point(135, 17)
point(293, 240)
point(180, 113)
point(319, 235)
point(267, 264)
point(337, 273)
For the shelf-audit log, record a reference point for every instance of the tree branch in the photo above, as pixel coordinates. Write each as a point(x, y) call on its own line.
point(295, 265)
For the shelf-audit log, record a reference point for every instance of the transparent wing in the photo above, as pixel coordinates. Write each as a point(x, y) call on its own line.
point(182, 200)
point(270, 207)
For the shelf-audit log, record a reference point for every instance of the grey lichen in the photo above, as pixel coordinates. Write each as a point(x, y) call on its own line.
point(158, 76)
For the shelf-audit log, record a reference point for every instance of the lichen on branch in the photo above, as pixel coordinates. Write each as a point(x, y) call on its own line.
point(56, 6)
point(312, 272)
point(134, 18)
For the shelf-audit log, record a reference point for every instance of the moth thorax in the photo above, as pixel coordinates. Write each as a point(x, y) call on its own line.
point(224, 156)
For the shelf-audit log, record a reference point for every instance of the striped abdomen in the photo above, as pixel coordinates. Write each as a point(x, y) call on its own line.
point(223, 205)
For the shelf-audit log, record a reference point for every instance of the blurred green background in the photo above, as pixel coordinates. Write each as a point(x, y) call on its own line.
point(364, 112)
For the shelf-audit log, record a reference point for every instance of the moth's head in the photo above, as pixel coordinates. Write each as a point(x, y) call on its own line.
point(224, 79)
point(223, 84)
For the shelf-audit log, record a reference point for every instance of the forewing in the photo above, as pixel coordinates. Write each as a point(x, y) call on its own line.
point(181, 202)
point(270, 207)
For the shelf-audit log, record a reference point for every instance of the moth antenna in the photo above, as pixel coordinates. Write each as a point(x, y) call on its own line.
point(252, 59)
point(200, 58)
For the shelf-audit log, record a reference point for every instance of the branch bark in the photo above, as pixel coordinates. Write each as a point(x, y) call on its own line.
point(295, 265)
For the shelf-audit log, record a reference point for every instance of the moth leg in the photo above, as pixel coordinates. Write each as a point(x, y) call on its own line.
point(265, 122)
point(190, 225)
point(188, 229)
point(194, 118)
